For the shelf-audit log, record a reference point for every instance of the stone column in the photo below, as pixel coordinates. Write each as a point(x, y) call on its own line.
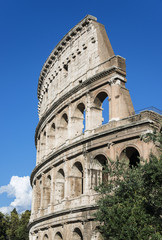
point(42, 195)
point(86, 179)
point(52, 188)
point(66, 190)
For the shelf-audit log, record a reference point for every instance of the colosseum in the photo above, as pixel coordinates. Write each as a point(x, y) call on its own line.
point(73, 140)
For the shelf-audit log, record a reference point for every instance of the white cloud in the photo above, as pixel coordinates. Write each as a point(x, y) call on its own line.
point(20, 189)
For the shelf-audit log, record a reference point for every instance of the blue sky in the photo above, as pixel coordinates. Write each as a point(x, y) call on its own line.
point(29, 30)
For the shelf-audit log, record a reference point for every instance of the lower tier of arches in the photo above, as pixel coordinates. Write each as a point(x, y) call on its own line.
point(77, 225)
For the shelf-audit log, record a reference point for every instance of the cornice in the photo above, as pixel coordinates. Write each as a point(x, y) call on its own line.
point(62, 213)
point(60, 47)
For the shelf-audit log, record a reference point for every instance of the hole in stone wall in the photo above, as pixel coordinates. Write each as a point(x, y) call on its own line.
point(58, 236)
point(98, 175)
point(101, 109)
point(80, 119)
point(105, 111)
point(64, 120)
point(77, 234)
point(59, 186)
point(131, 156)
point(45, 237)
point(77, 172)
point(84, 121)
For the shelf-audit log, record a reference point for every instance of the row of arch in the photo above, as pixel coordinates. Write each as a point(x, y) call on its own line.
point(52, 190)
point(70, 125)
point(77, 235)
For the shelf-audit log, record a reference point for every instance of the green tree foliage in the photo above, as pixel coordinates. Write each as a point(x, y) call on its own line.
point(14, 226)
point(14, 223)
point(22, 231)
point(130, 206)
point(3, 227)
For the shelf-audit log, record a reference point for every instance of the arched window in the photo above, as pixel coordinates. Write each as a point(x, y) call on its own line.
point(63, 129)
point(77, 180)
point(60, 186)
point(51, 136)
point(105, 111)
point(43, 143)
point(79, 119)
point(97, 171)
point(38, 149)
point(64, 120)
point(58, 236)
point(100, 110)
point(77, 234)
point(47, 191)
point(45, 237)
point(131, 156)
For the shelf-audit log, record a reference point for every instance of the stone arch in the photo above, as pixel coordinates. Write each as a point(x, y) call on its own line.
point(60, 185)
point(77, 234)
point(43, 142)
point(64, 120)
point(63, 129)
point(97, 170)
point(51, 135)
point(47, 191)
point(58, 236)
point(100, 108)
point(45, 237)
point(38, 149)
point(79, 119)
point(77, 179)
point(130, 155)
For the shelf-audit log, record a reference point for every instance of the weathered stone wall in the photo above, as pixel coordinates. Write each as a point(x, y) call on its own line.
point(72, 143)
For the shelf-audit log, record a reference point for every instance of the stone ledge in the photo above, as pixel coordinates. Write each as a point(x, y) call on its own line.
point(61, 213)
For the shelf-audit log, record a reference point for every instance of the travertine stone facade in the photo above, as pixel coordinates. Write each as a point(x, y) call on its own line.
point(72, 143)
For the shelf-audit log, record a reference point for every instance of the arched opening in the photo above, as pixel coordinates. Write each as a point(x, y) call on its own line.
point(58, 236)
point(77, 234)
point(51, 136)
point(77, 180)
point(100, 110)
point(60, 185)
point(79, 119)
point(105, 111)
point(38, 149)
point(45, 237)
point(97, 171)
point(43, 143)
point(63, 129)
point(64, 120)
point(47, 191)
point(131, 156)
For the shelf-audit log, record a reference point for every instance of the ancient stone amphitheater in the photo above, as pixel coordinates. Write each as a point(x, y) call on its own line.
point(73, 145)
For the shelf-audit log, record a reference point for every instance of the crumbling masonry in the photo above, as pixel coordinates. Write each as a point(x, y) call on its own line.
point(73, 145)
